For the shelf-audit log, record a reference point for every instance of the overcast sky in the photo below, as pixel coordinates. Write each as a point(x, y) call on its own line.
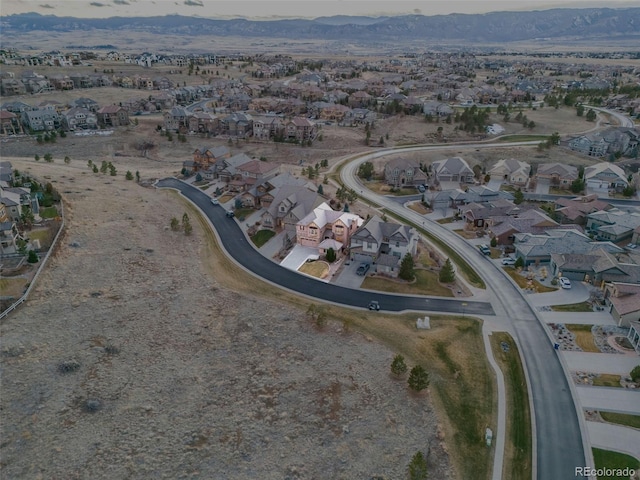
point(284, 8)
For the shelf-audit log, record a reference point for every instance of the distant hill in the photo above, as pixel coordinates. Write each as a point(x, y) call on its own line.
point(496, 27)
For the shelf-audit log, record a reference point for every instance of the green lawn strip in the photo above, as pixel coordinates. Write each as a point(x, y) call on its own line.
point(426, 283)
point(625, 419)
point(607, 380)
point(523, 138)
point(468, 272)
point(49, 212)
point(573, 307)
point(606, 459)
point(518, 450)
point(262, 237)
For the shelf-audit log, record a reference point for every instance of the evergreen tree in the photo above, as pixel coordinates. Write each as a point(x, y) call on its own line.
point(591, 115)
point(518, 197)
point(129, 175)
point(407, 271)
point(418, 378)
point(320, 190)
point(418, 467)
point(398, 365)
point(447, 273)
point(330, 255)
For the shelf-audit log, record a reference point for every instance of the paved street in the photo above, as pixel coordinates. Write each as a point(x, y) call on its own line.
point(243, 252)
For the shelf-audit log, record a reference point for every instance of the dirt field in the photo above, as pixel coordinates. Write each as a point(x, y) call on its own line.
point(132, 359)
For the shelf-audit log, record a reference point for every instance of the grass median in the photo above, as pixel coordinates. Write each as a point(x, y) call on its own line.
point(518, 447)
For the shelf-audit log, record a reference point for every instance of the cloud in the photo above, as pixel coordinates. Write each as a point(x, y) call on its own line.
point(121, 2)
point(194, 3)
point(97, 4)
point(46, 5)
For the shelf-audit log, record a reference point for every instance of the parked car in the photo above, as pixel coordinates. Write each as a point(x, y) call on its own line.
point(632, 246)
point(564, 282)
point(230, 214)
point(508, 261)
point(362, 269)
point(215, 201)
point(485, 250)
point(374, 305)
point(421, 188)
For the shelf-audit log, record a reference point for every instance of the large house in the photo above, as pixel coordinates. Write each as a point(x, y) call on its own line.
point(614, 225)
point(605, 175)
point(289, 204)
point(575, 210)
point(383, 244)
point(558, 174)
point(323, 224)
point(512, 170)
point(112, 116)
point(401, 172)
point(595, 267)
point(536, 248)
point(624, 299)
point(454, 169)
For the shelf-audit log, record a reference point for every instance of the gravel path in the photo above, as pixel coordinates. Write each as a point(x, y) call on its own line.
point(131, 361)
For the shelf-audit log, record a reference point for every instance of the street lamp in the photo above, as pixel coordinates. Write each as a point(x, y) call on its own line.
point(464, 304)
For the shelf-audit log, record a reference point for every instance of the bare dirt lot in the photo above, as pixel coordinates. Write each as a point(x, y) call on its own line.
point(132, 359)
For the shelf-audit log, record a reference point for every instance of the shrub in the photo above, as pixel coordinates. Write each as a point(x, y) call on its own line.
point(398, 365)
point(68, 366)
point(635, 374)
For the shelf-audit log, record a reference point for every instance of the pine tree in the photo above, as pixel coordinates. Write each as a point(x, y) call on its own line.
point(418, 467)
point(398, 365)
point(418, 378)
point(447, 273)
point(407, 271)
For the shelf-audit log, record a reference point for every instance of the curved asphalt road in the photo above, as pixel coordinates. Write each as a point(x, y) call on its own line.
point(235, 243)
point(559, 446)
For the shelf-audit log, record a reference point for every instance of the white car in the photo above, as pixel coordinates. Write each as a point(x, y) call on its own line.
point(564, 282)
point(215, 201)
point(508, 261)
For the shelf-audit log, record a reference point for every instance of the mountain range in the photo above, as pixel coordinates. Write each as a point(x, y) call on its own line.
point(496, 27)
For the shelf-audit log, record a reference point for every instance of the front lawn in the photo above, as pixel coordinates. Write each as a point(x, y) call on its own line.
point(584, 339)
point(524, 283)
point(606, 459)
point(621, 419)
point(49, 212)
point(607, 380)
point(573, 307)
point(12, 287)
point(262, 237)
point(318, 269)
point(426, 283)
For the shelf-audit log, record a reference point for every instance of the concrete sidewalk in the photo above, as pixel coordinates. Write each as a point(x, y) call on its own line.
point(595, 318)
point(622, 400)
point(615, 437)
point(601, 362)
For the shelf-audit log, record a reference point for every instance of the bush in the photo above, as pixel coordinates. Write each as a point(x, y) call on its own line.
point(635, 374)
point(398, 365)
point(331, 255)
point(68, 366)
point(32, 257)
point(418, 378)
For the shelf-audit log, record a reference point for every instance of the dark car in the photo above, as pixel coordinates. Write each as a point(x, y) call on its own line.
point(362, 269)
point(230, 214)
point(374, 305)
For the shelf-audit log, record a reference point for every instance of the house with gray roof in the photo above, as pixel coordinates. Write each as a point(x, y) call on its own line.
point(605, 175)
point(401, 172)
point(558, 174)
point(594, 267)
point(615, 225)
point(454, 169)
point(378, 242)
point(290, 204)
point(536, 248)
point(515, 171)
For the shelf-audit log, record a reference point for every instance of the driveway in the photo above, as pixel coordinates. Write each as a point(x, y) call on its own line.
point(542, 187)
point(298, 256)
point(614, 363)
point(611, 399)
point(348, 277)
point(576, 294)
point(614, 437)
